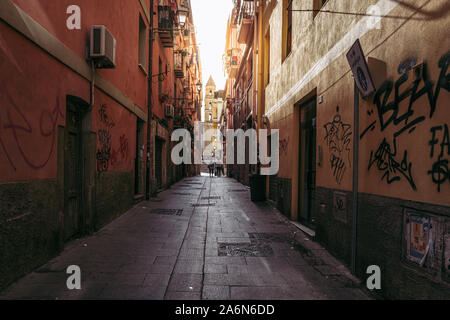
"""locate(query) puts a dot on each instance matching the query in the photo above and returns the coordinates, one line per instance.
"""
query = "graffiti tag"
(440, 172)
(48, 123)
(338, 139)
(385, 161)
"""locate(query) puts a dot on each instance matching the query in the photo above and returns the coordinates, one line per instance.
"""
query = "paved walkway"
(201, 239)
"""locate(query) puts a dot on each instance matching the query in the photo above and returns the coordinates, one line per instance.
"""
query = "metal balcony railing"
(178, 64)
(165, 26)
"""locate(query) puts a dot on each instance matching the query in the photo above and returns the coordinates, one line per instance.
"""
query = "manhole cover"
(199, 205)
(169, 212)
(211, 198)
(256, 249)
(272, 237)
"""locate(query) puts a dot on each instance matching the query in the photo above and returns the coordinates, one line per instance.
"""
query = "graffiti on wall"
(104, 140)
(393, 163)
(385, 160)
(338, 138)
(104, 151)
(21, 129)
(439, 172)
(388, 111)
(284, 145)
(119, 156)
(104, 118)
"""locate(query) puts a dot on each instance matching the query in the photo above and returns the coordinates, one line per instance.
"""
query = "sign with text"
(360, 70)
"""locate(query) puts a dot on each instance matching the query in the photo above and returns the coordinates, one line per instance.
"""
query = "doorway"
(307, 163)
(139, 164)
(158, 162)
(72, 170)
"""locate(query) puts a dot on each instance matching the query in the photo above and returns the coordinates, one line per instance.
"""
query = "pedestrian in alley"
(211, 169)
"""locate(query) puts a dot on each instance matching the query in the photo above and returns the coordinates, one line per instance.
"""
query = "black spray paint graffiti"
(389, 112)
(338, 139)
(104, 140)
(440, 172)
(104, 153)
(104, 118)
(406, 119)
(385, 160)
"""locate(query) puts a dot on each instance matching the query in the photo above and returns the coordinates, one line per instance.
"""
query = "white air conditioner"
(170, 111)
(102, 47)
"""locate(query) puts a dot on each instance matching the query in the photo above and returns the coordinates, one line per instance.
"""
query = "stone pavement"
(201, 239)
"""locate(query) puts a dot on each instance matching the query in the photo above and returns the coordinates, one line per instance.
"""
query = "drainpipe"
(92, 93)
(260, 105)
(149, 110)
(355, 176)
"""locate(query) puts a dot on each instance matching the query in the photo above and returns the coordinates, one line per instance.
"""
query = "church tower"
(209, 100)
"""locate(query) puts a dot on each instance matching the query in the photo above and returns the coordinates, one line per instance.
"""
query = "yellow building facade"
(384, 200)
(213, 108)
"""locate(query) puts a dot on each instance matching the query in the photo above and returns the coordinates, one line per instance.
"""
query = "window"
(287, 28)
(142, 59)
(318, 4)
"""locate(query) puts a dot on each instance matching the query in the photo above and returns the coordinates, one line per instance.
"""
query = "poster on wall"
(419, 237)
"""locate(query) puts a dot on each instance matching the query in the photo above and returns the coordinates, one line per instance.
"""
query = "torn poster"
(419, 237)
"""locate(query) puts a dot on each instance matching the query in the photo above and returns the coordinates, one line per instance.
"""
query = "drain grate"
(200, 205)
(184, 194)
(167, 212)
(211, 198)
(255, 249)
(238, 190)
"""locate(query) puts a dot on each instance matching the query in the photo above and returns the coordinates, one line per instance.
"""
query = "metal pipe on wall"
(149, 111)
(355, 177)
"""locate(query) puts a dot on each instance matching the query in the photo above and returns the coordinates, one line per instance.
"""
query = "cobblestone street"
(201, 239)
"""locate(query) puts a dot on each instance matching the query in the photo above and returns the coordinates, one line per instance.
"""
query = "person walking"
(211, 169)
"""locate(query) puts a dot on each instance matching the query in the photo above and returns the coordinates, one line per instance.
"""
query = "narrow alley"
(201, 239)
(225, 150)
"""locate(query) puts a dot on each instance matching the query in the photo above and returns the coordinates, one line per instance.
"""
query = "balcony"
(165, 26)
(178, 64)
(232, 59)
(187, 85)
(244, 21)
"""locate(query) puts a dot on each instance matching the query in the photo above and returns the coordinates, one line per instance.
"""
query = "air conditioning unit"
(102, 47)
(170, 111)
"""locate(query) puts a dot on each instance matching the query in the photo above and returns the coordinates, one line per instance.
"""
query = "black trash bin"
(257, 187)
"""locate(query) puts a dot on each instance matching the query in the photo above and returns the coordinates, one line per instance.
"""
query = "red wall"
(34, 86)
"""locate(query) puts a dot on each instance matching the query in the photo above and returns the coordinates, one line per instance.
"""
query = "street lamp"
(183, 13)
(199, 86)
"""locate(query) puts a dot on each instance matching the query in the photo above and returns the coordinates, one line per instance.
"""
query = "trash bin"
(257, 187)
